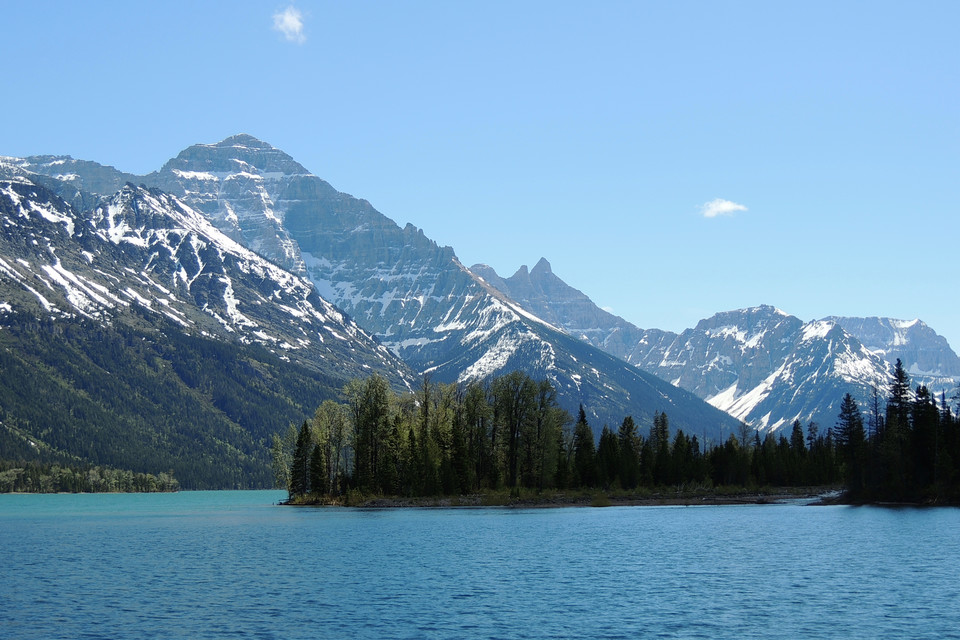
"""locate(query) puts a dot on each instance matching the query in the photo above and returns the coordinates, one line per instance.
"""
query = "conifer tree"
(608, 458)
(629, 445)
(584, 452)
(300, 468)
(660, 442)
(318, 472)
(851, 441)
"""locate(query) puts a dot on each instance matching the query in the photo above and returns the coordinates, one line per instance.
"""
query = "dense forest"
(77, 392)
(35, 477)
(510, 434)
(905, 448)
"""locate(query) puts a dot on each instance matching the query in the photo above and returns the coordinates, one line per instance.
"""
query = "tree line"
(905, 448)
(37, 477)
(510, 433)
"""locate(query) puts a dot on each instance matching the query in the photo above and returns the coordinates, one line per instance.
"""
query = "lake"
(235, 565)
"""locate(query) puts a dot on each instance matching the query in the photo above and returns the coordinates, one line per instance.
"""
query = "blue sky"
(593, 134)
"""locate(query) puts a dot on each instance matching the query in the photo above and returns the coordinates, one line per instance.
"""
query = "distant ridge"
(761, 365)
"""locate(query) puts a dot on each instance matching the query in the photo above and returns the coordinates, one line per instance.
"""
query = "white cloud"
(289, 22)
(720, 207)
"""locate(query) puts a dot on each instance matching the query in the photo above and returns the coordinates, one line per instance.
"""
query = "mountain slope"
(769, 368)
(414, 295)
(760, 365)
(140, 315)
(925, 354)
(541, 292)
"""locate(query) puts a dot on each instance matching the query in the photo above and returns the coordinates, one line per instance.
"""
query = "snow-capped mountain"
(541, 292)
(414, 295)
(135, 334)
(769, 368)
(145, 249)
(760, 365)
(925, 354)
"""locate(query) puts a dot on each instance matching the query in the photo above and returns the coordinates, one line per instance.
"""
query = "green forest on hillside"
(78, 393)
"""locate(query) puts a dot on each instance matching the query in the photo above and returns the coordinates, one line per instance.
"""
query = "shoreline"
(806, 496)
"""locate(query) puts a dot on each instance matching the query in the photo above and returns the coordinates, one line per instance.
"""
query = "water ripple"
(231, 565)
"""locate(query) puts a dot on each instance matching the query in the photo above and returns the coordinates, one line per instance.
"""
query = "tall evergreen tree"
(630, 446)
(584, 452)
(318, 471)
(608, 458)
(660, 443)
(300, 468)
(895, 457)
(925, 423)
(851, 444)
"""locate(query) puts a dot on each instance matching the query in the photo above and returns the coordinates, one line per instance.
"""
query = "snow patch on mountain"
(145, 249)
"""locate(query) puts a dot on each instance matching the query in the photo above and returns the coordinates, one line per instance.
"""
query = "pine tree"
(608, 458)
(895, 457)
(925, 423)
(318, 472)
(630, 446)
(660, 443)
(851, 441)
(584, 452)
(300, 468)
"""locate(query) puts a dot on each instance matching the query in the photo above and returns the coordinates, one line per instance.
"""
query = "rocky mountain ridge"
(135, 334)
(413, 295)
(761, 365)
(143, 248)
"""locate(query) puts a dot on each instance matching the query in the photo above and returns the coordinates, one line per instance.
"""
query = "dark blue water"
(233, 565)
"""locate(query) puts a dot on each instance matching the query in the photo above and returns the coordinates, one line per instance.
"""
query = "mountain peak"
(522, 273)
(241, 153)
(243, 140)
(541, 268)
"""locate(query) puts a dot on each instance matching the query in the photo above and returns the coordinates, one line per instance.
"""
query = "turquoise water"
(234, 565)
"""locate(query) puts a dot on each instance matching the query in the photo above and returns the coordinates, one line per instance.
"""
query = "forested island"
(37, 477)
(509, 437)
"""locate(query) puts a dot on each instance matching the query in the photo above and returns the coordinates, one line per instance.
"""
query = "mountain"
(76, 181)
(152, 340)
(769, 368)
(925, 354)
(414, 295)
(543, 293)
(760, 365)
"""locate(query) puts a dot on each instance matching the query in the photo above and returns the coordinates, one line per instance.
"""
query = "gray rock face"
(769, 368)
(82, 175)
(245, 187)
(541, 292)
(925, 354)
(413, 294)
(760, 365)
(143, 250)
